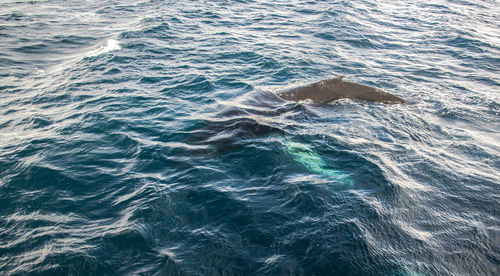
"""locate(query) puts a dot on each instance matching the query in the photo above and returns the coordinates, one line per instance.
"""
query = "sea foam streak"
(111, 45)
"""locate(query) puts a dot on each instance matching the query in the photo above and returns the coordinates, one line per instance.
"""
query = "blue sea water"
(144, 137)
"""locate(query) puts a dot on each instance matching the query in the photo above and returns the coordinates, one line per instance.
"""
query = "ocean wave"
(148, 138)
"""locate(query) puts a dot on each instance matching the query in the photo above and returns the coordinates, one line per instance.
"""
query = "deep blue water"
(144, 137)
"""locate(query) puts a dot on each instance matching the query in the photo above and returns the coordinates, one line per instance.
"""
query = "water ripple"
(146, 138)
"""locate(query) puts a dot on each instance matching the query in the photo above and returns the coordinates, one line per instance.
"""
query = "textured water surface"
(143, 137)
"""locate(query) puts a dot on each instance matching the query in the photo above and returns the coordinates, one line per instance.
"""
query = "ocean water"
(145, 137)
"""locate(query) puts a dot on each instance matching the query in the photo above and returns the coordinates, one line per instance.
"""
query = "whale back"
(336, 88)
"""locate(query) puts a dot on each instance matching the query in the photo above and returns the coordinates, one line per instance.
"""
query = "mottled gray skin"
(333, 89)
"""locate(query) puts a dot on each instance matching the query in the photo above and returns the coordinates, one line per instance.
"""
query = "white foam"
(111, 45)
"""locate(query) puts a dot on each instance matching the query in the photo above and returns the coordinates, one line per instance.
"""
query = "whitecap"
(111, 45)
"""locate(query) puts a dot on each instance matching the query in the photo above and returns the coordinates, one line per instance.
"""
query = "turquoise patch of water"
(306, 156)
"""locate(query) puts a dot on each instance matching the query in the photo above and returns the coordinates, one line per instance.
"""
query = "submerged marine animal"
(305, 155)
(335, 88)
(251, 117)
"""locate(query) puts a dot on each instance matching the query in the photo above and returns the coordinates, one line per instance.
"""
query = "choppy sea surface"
(145, 137)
